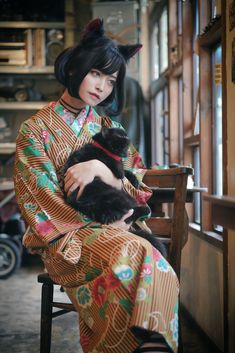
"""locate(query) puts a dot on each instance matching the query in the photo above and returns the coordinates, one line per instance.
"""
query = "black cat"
(100, 201)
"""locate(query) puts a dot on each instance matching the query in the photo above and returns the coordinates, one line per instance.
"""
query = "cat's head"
(115, 140)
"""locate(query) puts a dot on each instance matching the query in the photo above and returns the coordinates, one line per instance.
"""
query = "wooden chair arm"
(163, 177)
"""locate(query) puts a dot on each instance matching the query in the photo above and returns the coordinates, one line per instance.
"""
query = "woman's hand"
(121, 223)
(81, 174)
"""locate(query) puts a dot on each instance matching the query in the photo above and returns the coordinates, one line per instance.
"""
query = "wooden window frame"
(204, 139)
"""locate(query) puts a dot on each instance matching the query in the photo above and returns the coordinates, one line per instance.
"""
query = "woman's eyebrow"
(112, 76)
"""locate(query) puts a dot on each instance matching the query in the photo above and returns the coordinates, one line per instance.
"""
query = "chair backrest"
(169, 187)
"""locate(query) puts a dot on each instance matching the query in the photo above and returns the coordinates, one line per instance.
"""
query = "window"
(159, 85)
(180, 83)
(180, 121)
(159, 46)
(215, 8)
(155, 53)
(163, 41)
(161, 133)
(197, 199)
(196, 115)
(196, 108)
(186, 96)
(217, 121)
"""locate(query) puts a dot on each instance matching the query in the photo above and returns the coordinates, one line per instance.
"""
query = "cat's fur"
(100, 201)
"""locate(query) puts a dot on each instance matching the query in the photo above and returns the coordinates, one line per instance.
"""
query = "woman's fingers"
(72, 180)
(81, 188)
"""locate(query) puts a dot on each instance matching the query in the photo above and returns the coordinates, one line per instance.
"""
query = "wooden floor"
(20, 318)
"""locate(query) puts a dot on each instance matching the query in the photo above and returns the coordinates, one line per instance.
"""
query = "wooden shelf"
(22, 105)
(30, 24)
(26, 69)
(7, 147)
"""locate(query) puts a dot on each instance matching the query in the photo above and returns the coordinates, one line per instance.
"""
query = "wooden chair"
(169, 186)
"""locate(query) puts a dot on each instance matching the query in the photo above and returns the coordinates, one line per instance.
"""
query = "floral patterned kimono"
(115, 279)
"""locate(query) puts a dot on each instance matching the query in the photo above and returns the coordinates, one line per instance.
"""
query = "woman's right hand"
(81, 174)
(121, 223)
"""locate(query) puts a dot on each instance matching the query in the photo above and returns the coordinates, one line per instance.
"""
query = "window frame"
(158, 85)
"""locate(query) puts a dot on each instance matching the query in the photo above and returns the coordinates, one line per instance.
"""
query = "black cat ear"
(128, 51)
(93, 30)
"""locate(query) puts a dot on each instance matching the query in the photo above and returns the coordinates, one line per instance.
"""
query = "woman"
(126, 294)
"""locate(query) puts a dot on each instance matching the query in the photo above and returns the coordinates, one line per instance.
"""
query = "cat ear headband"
(93, 35)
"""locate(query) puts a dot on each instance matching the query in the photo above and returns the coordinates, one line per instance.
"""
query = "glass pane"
(179, 17)
(215, 8)
(196, 109)
(155, 53)
(180, 121)
(217, 118)
(160, 135)
(165, 123)
(197, 201)
(163, 26)
(156, 134)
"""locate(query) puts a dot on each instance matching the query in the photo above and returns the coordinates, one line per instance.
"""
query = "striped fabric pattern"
(115, 279)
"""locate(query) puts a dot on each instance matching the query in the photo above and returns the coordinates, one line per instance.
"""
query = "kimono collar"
(62, 110)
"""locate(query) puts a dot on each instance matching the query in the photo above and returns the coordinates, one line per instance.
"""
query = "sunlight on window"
(217, 119)
(159, 44)
(161, 128)
(196, 166)
(163, 41)
(155, 53)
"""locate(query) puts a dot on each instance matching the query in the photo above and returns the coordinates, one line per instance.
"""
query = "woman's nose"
(100, 86)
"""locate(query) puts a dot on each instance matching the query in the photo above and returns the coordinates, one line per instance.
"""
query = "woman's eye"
(95, 73)
(112, 82)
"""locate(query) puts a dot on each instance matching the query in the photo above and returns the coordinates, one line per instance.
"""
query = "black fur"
(100, 201)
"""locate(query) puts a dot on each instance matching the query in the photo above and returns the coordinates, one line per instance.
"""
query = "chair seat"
(44, 278)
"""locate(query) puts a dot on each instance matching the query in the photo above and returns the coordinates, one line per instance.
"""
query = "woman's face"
(96, 87)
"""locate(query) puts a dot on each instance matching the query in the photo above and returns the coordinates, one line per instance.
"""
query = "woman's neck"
(71, 103)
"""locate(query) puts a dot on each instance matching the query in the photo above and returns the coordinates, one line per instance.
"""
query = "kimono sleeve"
(38, 194)
(135, 164)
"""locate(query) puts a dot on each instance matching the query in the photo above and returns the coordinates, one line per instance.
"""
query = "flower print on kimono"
(47, 138)
(84, 296)
(44, 225)
(174, 325)
(160, 261)
(102, 286)
(145, 279)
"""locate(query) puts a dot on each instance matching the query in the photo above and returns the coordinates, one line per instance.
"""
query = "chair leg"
(46, 318)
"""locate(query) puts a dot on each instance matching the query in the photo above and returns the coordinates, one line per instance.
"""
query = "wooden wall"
(202, 286)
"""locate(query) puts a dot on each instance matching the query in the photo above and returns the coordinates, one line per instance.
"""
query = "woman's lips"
(94, 95)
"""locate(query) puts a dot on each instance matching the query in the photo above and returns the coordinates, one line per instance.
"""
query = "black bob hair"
(73, 64)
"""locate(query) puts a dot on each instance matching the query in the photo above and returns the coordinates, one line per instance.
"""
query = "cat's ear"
(93, 30)
(128, 51)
